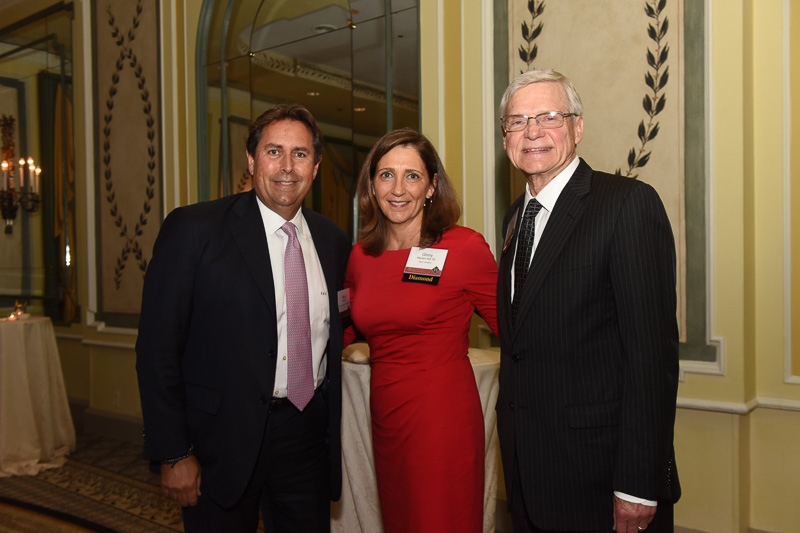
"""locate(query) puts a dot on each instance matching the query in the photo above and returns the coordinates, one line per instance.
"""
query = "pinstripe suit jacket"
(589, 369)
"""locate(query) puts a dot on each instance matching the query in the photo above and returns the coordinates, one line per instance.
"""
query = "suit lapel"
(565, 216)
(247, 228)
(506, 263)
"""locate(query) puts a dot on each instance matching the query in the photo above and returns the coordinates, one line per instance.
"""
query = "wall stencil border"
(128, 158)
(618, 53)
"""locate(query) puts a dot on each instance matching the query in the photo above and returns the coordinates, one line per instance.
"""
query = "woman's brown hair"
(441, 211)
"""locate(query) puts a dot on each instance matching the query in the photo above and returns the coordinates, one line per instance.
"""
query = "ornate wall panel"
(128, 152)
(643, 111)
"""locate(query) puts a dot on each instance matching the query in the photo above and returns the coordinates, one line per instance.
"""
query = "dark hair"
(284, 112)
(441, 212)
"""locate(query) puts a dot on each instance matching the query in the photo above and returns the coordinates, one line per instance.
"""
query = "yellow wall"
(706, 446)
(179, 18)
(737, 450)
(775, 470)
(456, 81)
(795, 184)
(75, 366)
(118, 394)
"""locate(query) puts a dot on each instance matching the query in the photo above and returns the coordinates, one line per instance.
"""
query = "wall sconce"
(26, 197)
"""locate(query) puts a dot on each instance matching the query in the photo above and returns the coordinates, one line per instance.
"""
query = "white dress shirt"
(548, 197)
(318, 302)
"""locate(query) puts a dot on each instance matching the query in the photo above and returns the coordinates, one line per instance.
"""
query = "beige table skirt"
(359, 509)
(36, 430)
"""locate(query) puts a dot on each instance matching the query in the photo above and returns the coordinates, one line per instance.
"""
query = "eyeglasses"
(548, 120)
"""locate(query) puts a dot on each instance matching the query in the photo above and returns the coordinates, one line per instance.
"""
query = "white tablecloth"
(36, 430)
(359, 508)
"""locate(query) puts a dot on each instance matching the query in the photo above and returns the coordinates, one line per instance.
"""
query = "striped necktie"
(522, 261)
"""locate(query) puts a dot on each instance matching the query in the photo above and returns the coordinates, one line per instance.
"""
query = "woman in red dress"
(415, 279)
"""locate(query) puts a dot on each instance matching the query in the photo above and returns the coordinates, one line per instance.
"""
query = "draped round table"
(36, 430)
(359, 510)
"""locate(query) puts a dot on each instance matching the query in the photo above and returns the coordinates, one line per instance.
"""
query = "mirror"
(37, 247)
(329, 56)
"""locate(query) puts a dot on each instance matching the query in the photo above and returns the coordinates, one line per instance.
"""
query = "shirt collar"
(548, 196)
(273, 221)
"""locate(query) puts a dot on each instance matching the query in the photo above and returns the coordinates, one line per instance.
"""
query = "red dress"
(427, 422)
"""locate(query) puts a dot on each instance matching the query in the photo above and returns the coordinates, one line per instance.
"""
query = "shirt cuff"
(634, 499)
(175, 460)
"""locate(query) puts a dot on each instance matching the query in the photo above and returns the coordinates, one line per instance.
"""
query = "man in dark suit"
(239, 371)
(586, 304)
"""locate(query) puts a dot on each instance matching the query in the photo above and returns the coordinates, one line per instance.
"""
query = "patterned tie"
(300, 374)
(524, 251)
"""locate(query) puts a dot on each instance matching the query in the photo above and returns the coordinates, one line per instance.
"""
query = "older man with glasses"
(586, 306)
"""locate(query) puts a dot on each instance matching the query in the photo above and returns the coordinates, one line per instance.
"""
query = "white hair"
(574, 104)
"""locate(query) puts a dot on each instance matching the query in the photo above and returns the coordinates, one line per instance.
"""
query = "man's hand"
(631, 517)
(181, 482)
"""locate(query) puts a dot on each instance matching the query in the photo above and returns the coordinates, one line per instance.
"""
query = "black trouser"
(662, 523)
(290, 482)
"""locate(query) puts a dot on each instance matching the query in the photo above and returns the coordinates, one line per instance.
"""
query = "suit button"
(272, 354)
(264, 400)
(515, 358)
(511, 405)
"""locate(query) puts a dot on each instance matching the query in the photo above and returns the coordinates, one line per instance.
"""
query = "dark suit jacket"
(208, 341)
(589, 371)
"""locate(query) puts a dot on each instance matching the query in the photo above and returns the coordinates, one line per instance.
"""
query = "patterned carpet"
(105, 486)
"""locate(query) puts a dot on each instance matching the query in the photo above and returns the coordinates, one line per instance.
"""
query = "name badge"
(343, 296)
(424, 265)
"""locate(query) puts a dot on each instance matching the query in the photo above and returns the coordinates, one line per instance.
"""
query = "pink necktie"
(300, 374)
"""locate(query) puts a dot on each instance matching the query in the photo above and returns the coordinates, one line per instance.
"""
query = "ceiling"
(43, 42)
(329, 56)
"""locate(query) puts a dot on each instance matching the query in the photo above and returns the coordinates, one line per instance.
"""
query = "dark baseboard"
(77, 407)
(104, 423)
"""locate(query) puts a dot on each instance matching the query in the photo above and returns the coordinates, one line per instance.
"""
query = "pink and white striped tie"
(300, 372)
